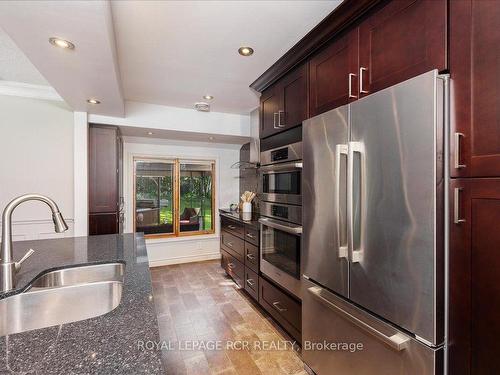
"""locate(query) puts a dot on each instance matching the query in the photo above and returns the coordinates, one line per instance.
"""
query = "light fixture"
(93, 101)
(150, 133)
(245, 51)
(208, 97)
(210, 138)
(202, 107)
(61, 43)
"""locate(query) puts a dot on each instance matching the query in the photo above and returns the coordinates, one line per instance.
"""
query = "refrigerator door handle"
(398, 341)
(339, 151)
(354, 147)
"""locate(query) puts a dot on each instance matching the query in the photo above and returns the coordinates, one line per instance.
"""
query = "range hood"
(250, 152)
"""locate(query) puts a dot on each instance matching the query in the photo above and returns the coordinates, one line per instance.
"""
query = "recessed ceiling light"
(93, 101)
(211, 138)
(61, 43)
(150, 133)
(208, 97)
(245, 51)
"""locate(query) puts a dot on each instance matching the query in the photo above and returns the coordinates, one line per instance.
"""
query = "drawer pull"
(277, 307)
(231, 227)
(250, 282)
(250, 257)
(231, 265)
(250, 235)
(230, 244)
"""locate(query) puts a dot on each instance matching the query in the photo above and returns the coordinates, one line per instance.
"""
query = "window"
(174, 197)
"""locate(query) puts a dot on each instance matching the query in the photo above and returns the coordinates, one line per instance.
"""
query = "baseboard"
(184, 259)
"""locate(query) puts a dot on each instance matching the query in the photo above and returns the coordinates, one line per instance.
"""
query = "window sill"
(199, 237)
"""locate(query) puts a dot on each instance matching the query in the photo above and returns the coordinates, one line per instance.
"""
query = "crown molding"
(27, 90)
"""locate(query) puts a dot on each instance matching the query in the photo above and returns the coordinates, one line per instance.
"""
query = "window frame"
(177, 161)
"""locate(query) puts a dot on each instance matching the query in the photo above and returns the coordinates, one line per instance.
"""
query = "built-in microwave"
(281, 174)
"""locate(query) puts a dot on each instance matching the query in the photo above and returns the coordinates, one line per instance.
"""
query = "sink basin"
(81, 275)
(63, 296)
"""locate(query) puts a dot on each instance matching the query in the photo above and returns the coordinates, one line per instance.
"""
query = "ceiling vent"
(202, 107)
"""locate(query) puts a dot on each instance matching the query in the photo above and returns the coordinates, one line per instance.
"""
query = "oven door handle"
(289, 228)
(291, 166)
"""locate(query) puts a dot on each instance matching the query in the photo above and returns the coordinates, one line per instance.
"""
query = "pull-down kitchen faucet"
(9, 268)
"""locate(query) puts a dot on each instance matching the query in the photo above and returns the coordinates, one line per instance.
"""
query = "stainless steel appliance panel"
(393, 158)
(282, 211)
(282, 154)
(385, 350)
(282, 182)
(324, 140)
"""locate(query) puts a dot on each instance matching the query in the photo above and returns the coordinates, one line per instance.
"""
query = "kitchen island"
(107, 344)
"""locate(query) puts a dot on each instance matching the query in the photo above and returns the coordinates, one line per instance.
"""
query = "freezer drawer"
(373, 347)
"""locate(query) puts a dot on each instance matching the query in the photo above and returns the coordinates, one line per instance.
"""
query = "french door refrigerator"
(373, 238)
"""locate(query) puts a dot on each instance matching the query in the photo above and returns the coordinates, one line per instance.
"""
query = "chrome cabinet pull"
(230, 244)
(231, 227)
(361, 90)
(250, 282)
(354, 147)
(274, 120)
(456, 206)
(250, 257)
(457, 151)
(351, 95)
(280, 125)
(398, 341)
(250, 235)
(231, 265)
(339, 151)
(276, 305)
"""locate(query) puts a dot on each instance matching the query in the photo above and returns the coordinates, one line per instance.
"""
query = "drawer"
(286, 310)
(252, 256)
(252, 283)
(232, 226)
(233, 268)
(233, 245)
(252, 235)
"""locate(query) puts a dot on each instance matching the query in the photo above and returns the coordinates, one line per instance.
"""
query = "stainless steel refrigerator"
(373, 237)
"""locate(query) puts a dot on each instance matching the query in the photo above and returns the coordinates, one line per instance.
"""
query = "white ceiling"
(174, 52)
(160, 52)
(15, 66)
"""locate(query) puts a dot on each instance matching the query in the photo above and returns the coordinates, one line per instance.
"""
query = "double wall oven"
(281, 216)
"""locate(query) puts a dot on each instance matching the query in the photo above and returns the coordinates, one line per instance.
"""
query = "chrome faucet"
(9, 268)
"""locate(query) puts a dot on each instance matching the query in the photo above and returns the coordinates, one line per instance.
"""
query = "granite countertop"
(237, 215)
(107, 344)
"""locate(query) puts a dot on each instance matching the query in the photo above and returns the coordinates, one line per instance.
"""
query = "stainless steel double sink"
(63, 296)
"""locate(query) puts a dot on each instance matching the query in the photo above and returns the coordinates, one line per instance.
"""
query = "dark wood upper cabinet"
(474, 263)
(284, 104)
(401, 40)
(103, 169)
(475, 84)
(333, 74)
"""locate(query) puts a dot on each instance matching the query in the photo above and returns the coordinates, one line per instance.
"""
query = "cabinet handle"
(274, 120)
(361, 90)
(250, 282)
(231, 227)
(351, 95)
(250, 235)
(280, 125)
(231, 265)
(230, 244)
(277, 307)
(456, 206)
(250, 257)
(457, 150)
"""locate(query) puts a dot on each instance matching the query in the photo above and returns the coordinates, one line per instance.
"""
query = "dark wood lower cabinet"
(474, 324)
(103, 224)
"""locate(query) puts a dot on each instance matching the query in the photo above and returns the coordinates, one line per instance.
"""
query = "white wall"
(185, 249)
(36, 154)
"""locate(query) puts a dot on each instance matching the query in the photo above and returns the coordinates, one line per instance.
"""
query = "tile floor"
(197, 303)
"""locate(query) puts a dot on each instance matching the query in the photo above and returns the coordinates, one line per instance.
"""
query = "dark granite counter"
(107, 344)
(237, 215)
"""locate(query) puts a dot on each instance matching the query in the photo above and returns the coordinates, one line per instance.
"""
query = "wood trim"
(337, 21)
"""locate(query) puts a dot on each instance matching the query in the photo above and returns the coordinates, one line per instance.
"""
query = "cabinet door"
(293, 89)
(103, 172)
(474, 302)
(269, 107)
(475, 83)
(403, 39)
(333, 79)
(103, 224)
